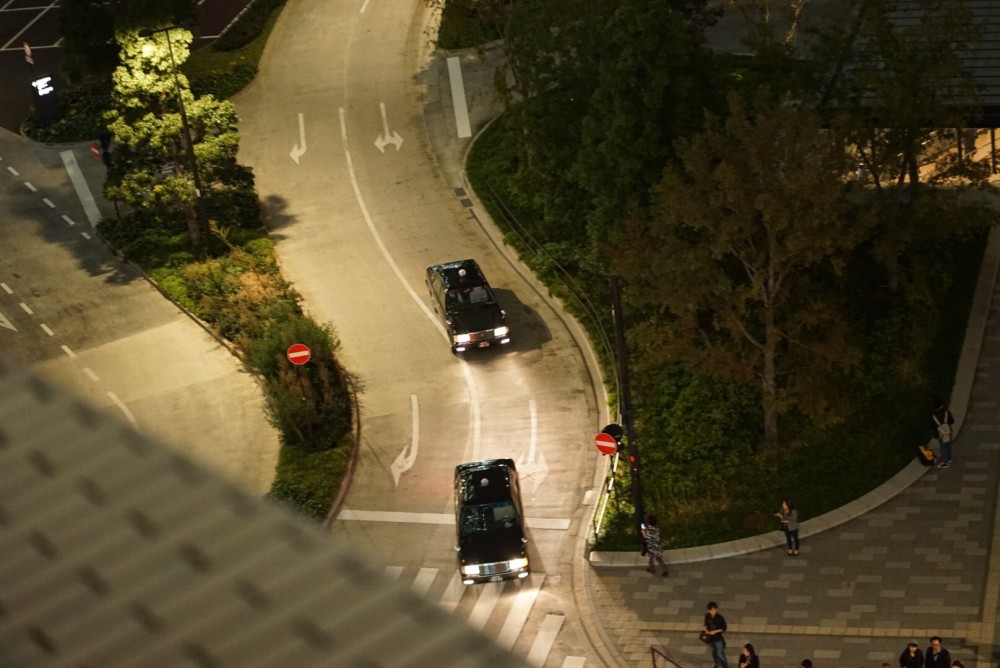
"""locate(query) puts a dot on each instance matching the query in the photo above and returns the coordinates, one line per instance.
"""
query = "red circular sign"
(298, 353)
(606, 443)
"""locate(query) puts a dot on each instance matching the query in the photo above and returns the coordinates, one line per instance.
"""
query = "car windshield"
(465, 298)
(488, 517)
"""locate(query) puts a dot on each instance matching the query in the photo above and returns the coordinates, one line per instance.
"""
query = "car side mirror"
(524, 540)
(458, 548)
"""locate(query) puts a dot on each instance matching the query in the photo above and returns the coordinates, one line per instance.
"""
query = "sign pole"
(625, 401)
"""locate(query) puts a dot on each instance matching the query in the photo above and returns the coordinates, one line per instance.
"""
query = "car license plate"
(484, 344)
(496, 578)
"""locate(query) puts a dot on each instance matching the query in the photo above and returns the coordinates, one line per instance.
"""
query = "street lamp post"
(188, 142)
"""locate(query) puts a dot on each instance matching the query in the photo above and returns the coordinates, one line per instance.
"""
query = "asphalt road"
(79, 316)
(355, 227)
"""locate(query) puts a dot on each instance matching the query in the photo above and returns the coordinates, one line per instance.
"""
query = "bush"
(82, 119)
(307, 481)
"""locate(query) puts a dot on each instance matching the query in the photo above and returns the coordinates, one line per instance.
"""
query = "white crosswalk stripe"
(483, 608)
(453, 594)
(546, 637)
(424, 580)
(518, 614)
(498, 609)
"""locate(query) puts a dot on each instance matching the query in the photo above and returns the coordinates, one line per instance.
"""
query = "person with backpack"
(943, 422)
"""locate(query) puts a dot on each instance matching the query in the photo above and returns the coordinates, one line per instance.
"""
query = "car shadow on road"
(528, 330)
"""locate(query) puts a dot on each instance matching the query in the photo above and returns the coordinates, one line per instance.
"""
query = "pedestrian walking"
(715, 626)
(943, 428)
(789, 518)
(957, 664)
(936, 655)
(654, 544)
(748, 659)
(911, 657)
(805, 663)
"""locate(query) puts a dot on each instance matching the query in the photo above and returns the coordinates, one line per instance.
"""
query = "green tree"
(734, 263)
(651, 89)
(151, 168)
(88, 29)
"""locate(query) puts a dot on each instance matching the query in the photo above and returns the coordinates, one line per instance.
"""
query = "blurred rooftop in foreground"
(117, 551)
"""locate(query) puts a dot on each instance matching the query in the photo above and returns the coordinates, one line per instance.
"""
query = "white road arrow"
(408, 457)
(4, 322)
(387, 137)
(299, 149)
(532, 465)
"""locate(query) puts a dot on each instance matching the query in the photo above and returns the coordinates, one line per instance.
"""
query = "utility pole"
(625, 403)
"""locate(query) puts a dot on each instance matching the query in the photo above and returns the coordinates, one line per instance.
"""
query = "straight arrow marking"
(386, 137)
(299, 149)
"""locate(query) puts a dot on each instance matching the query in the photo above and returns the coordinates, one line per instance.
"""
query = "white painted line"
(124, 409)
(436, 518)
(364, 6)
(545, 639)
(452, 595)
(66, 349)
(574, 662)
(396, 516)
(473, 398)
(378, 237)
(90, 374)
(6, 324)
(481, 611)
(424, 580)
(6, 288)
(458, 97)
(48, 202)
(68, 219)
(81, 187)
(31, 186)
(13, 171)
(393, 572)
(27, 309)
(45, 328)
(85, 236)
(23, 30)
(519, 611)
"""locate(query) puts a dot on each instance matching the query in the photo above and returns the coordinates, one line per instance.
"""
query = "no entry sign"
(606, 443)
(298, 353)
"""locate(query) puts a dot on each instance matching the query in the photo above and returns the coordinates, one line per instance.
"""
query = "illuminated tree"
(151, 169)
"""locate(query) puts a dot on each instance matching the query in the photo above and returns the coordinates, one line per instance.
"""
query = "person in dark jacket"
(942, 420)
(937, 656)
(748, 659)
(911, 657)
(715, 626)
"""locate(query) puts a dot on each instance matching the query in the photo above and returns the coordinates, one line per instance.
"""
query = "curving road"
(360, 202)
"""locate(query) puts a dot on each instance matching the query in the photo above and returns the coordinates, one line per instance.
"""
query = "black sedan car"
(463, 296)
(489, 522)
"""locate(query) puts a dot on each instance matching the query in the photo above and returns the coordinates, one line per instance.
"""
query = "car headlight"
(470, 570)
(500, 331)
(463, 338)
(517, 564)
